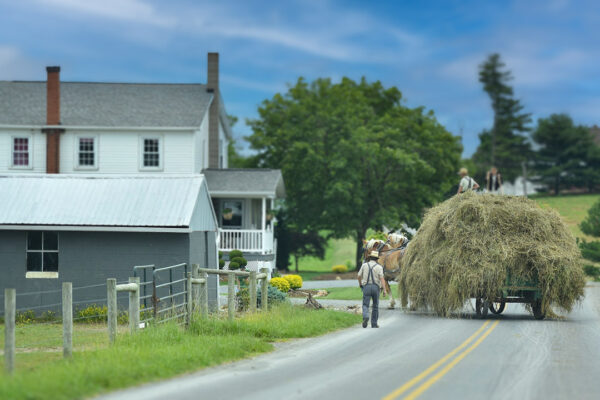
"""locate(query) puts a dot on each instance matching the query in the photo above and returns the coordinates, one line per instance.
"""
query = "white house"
(135, 128)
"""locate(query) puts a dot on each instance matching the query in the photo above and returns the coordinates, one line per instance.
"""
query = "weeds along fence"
(68, 317)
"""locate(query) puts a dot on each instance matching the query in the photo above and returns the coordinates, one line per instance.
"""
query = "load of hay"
(468, 244)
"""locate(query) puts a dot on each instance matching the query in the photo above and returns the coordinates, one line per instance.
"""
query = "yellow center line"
(418, 391)
(429, 370)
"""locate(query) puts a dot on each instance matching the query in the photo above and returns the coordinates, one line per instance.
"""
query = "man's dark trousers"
(371, 291)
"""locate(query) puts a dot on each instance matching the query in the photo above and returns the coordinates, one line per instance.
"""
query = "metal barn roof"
(146, 201)
(245, 181)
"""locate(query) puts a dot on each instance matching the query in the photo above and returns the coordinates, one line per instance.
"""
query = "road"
(416, 355)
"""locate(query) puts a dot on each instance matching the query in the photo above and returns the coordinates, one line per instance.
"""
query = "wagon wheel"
(536, 307)
(497, 307)
(481, 307)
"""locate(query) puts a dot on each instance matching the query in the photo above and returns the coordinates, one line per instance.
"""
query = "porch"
(244, 201)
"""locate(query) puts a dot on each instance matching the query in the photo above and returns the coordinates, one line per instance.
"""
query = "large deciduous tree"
(504, 145)
(353, 157)
(567, 154)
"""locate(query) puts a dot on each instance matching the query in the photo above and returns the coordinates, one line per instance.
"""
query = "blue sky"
(430, 50)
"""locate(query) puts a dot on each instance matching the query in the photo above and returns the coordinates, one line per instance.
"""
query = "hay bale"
(468, 244)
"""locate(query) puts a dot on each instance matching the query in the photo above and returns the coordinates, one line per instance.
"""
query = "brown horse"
(390, 257)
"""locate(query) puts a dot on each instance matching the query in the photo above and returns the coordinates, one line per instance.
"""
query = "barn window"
(151, 153)
(86, 152)
(42, 252)
(21, 152)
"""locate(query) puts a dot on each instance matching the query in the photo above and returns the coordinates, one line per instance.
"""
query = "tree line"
(558, 153)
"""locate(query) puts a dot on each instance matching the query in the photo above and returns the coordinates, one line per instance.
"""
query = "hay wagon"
(515, 290)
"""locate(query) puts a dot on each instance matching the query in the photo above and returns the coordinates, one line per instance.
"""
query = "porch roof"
(261, 182)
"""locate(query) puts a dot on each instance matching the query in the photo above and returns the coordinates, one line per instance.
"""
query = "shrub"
(349, 265)
(339, 269)
(591, 225)
(274, 297)
(93, 313)
(295, 281)
(235, 253)
(233, 265)
(590, 250)
(592, 272)
(48, 316)
(241, 261)
(281, 284)
(25, 317)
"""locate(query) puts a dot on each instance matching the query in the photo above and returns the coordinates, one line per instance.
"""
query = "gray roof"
(117, 201)
(107, 104)
(257, 181)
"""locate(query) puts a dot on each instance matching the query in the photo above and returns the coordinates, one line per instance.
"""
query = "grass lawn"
(348, 293)
(163, 351)
(339, 251)
(573, 209)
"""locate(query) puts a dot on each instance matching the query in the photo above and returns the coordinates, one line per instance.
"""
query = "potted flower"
(227, 214)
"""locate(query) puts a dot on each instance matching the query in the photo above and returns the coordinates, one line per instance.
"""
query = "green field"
(158, 352)
(573, 209)
(339, 251)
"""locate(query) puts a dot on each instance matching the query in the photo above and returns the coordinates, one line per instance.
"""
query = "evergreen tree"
(504, 146)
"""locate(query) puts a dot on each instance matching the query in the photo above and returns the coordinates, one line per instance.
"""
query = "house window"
(151, 157)
(42, 253)
(21, 150)
(231, 213)
(86, 152)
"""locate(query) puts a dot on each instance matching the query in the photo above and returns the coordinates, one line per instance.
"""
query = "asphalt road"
(415, 355)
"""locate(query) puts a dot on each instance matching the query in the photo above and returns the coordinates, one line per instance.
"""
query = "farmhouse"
(87, 228)
(96, 128)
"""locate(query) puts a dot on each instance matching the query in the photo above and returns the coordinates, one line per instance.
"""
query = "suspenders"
(370, 277)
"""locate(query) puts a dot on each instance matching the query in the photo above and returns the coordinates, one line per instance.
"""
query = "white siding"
(37, 152)
(201, 144)
(223, 139)
(120, 152)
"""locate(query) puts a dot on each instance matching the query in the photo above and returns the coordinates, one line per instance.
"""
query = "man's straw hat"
(463, 171)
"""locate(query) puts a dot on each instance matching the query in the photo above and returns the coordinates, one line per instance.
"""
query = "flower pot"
(228, 216)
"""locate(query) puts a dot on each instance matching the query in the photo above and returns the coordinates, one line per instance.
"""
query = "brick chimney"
(53, 118)
(212, 85)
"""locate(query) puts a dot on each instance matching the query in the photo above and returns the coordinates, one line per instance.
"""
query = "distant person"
(493, 181)
(371, 281)
(466, 182)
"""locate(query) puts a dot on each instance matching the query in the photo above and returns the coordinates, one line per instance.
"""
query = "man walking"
(371, 280)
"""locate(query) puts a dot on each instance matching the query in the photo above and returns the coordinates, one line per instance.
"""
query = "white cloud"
(126, 10)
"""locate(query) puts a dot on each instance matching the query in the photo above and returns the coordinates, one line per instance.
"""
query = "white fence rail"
(254, 240)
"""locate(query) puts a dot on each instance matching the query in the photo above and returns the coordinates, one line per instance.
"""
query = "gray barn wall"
(89, 258)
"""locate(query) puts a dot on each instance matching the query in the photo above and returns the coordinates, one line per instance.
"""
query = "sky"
(430, 50)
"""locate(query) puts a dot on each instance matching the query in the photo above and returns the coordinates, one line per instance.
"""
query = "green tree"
(294, 242)
(353, 157)
(504, 146)
(567, 153)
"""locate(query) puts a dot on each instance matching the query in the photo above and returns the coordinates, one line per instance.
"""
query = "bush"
(281, 284)
(592, 272)
(339, 269)
(241, 261)
(25, 317)
(233, 266)
(295, 281)
(590, 250)
(48, 316)
(591, 225)
(274, 297)
(92, 313)
(235, 253)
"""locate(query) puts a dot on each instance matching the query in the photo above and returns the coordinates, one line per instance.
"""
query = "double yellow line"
(433, 379)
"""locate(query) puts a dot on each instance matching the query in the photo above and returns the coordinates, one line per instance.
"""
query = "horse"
(390, 257)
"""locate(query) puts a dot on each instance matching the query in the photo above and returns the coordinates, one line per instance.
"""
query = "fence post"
(10, 307)
(111, 301)
(67, 318)
(190, 300)
(252, 290)
(195, 288)
(231, 296)
(204, 295)
(134, 305)
(264, 289)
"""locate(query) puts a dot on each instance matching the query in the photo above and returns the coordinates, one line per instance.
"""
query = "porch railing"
(254, 240)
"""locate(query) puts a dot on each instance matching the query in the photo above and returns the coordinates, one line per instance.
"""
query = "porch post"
(264, 223)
